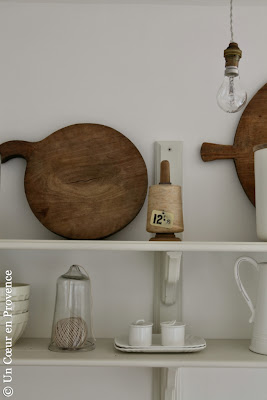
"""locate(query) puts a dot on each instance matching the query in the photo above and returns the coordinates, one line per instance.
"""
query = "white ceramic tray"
(192, 344)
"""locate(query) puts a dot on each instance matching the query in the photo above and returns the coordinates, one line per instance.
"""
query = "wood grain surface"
(165, 197)
(251, 131)
(85, 181)
(165, 172)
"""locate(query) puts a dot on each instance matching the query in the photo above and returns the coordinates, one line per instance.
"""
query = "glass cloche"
(72, 325)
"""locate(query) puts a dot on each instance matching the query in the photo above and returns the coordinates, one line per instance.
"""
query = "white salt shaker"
(140, 333)
(172, 333)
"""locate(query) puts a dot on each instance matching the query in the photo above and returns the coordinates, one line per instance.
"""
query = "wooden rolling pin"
(164, 213)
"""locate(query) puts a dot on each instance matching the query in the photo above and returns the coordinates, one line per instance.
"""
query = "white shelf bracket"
(170, 276)
(170, 382)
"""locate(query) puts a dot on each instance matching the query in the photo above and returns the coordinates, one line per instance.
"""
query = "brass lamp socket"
(232, 55)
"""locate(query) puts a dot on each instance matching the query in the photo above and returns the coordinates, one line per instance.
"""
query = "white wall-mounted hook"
(171, 265)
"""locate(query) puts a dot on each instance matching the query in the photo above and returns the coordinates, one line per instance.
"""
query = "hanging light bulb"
(231, 97)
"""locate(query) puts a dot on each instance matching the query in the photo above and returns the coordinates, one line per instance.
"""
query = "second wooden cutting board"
(251, 131)
(85, 181)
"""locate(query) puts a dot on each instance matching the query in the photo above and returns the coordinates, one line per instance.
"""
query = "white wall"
(151, 72)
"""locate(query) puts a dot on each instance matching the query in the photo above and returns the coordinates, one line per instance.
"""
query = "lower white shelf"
(219, 353)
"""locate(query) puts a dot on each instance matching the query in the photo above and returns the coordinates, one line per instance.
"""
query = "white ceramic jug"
(259, 314)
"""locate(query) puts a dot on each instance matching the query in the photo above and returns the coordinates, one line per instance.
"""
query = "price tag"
(161, 218)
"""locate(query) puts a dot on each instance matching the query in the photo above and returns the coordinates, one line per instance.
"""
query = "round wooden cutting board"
(85, 181)
(251, 131)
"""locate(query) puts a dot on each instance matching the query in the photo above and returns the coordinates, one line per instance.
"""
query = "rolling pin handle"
(165, 172)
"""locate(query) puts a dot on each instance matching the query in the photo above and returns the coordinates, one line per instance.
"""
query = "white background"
(151, 72)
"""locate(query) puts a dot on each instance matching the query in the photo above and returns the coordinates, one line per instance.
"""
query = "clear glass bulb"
(231, 97)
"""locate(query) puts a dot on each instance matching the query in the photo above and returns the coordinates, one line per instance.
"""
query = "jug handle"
(240, 285)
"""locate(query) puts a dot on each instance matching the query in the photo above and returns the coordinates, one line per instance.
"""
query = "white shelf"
(145, 2)
(111, 245)
(219, 353)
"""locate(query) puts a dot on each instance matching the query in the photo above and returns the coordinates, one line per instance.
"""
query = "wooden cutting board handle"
(211, 151)
(16, 148)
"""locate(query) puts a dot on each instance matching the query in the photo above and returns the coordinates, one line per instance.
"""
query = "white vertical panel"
(173, 152)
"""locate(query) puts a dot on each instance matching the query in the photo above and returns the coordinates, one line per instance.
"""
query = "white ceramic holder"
(172, 333)
(260, 170)
(140, 333)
